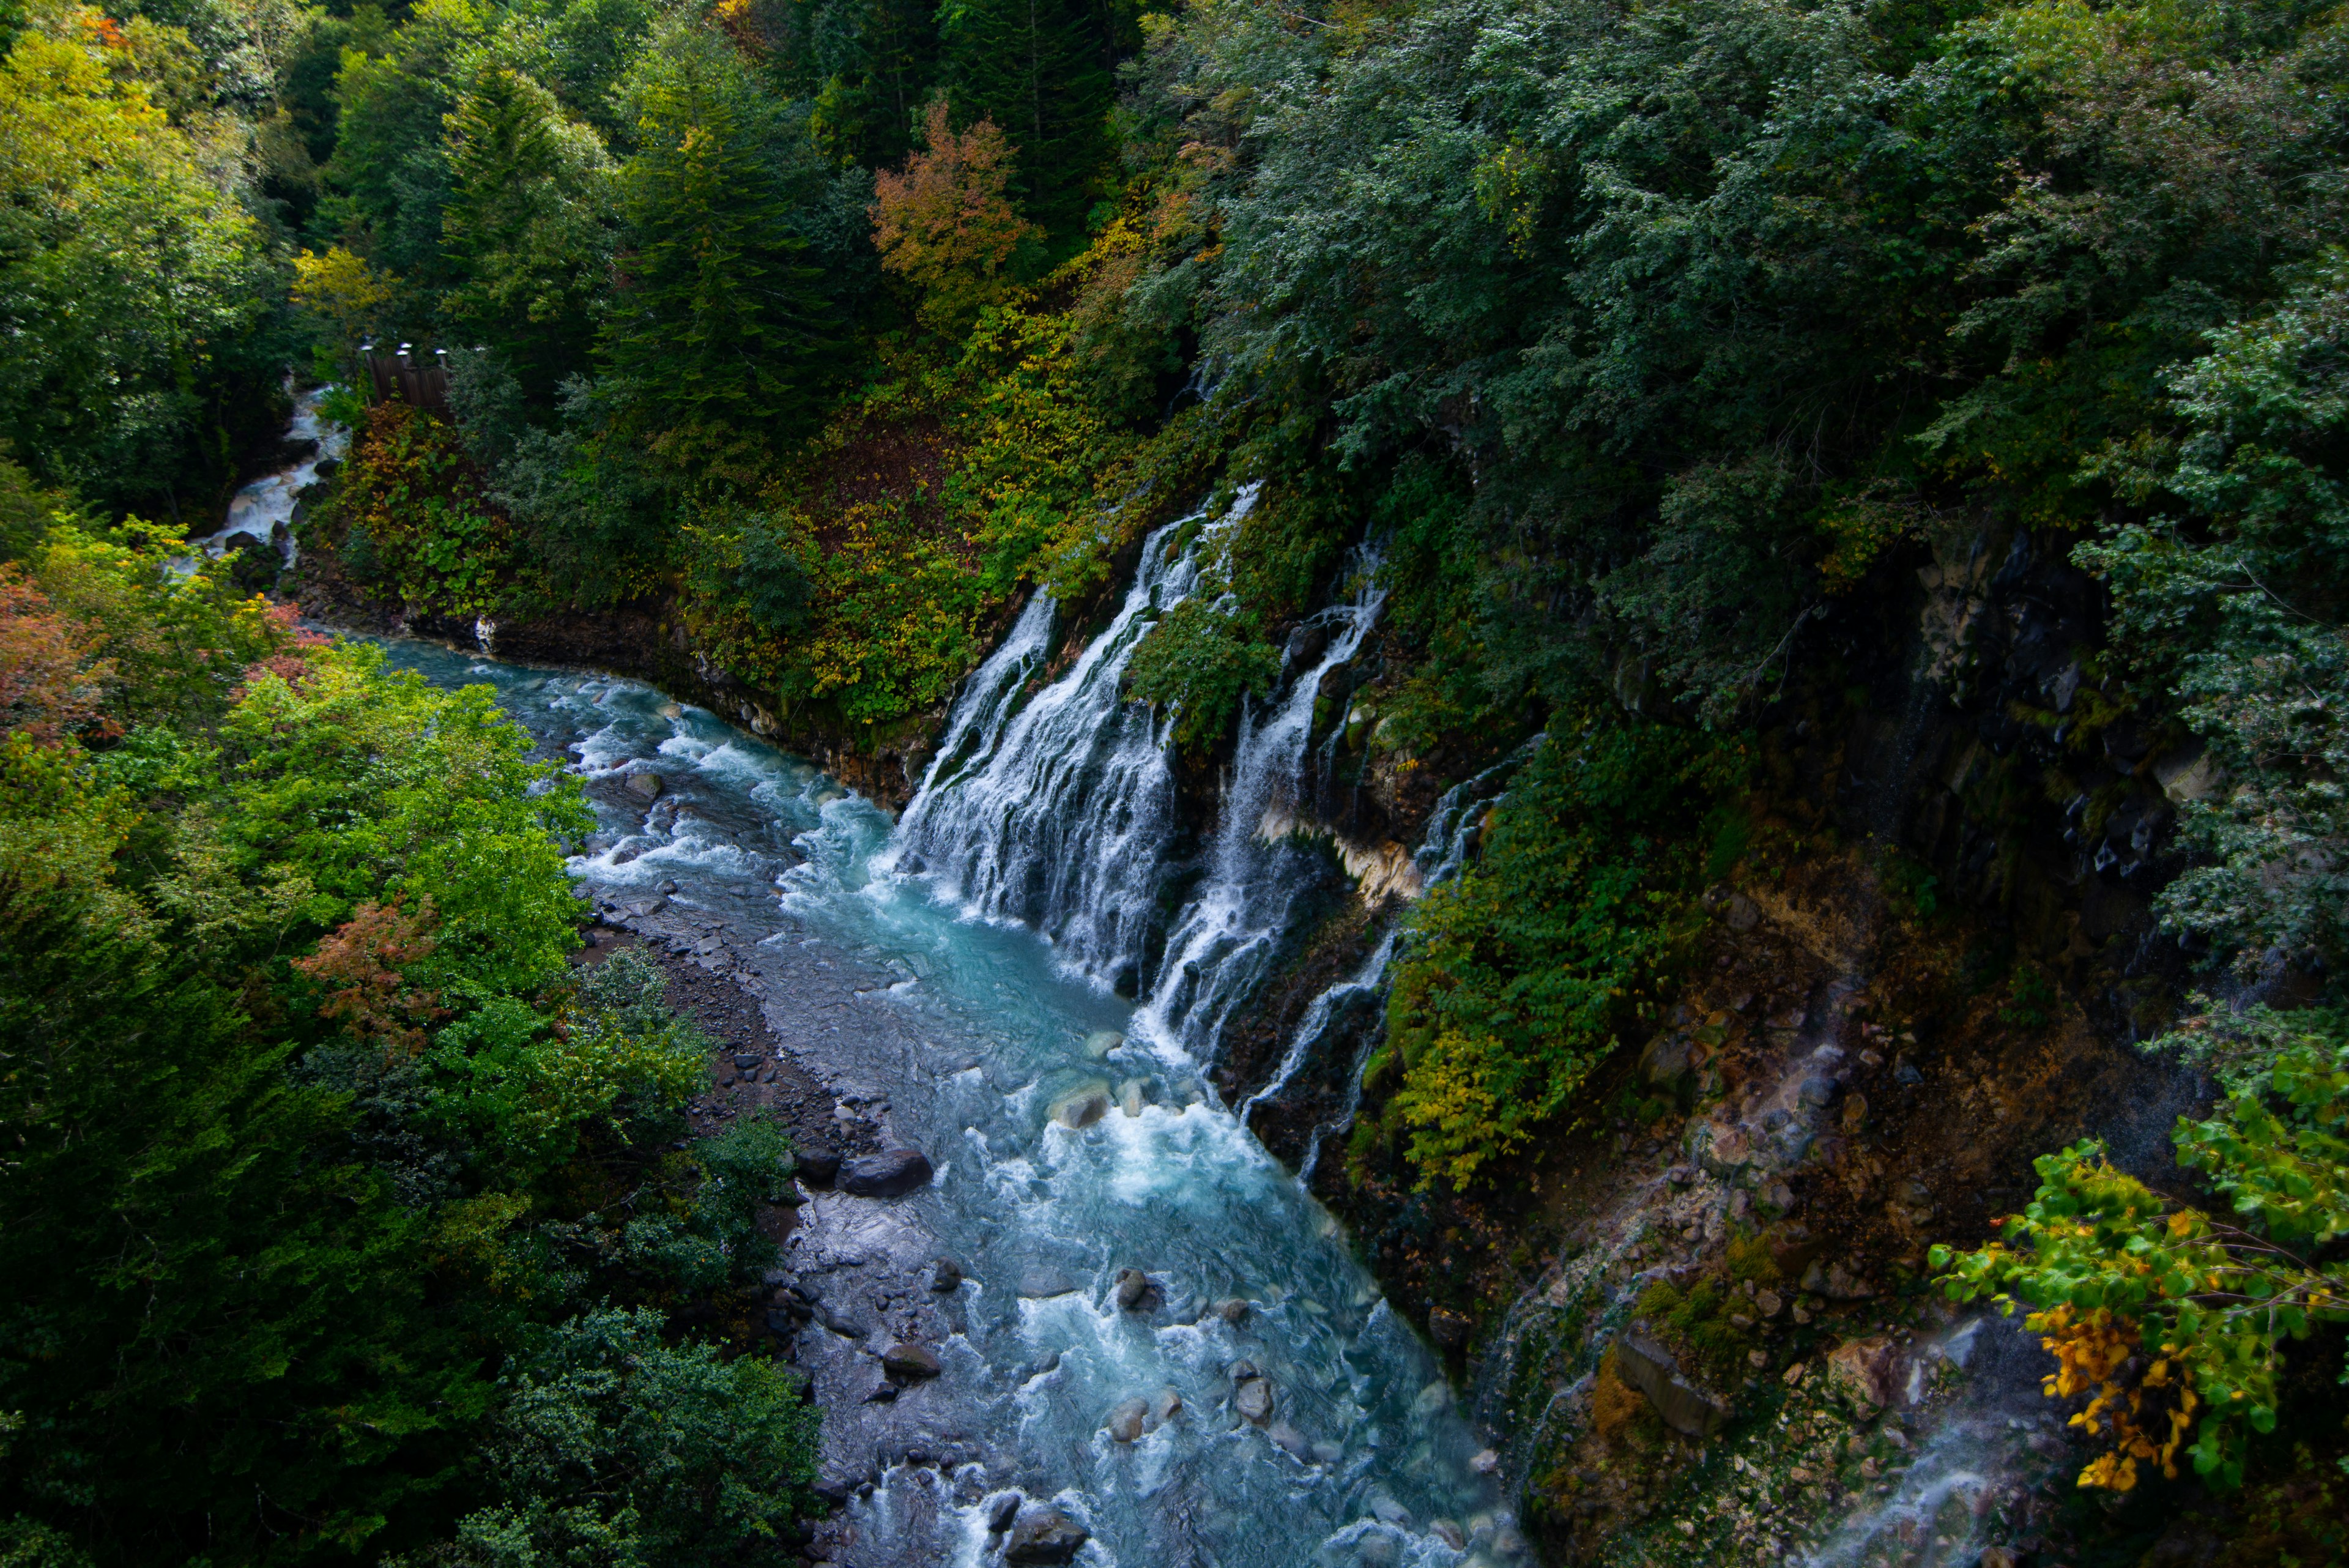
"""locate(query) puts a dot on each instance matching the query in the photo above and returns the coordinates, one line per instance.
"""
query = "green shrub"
(1199, 661)
(1516, 976)
(612, 1445)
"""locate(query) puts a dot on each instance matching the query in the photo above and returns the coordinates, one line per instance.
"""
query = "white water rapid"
(256, 512)
(950, 977)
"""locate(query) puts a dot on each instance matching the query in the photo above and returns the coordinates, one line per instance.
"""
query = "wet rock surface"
(892, 1173)
(1044, 1536)
(1844, 1079)
(1642, 1360)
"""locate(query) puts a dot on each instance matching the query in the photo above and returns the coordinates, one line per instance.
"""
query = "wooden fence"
(417, 379)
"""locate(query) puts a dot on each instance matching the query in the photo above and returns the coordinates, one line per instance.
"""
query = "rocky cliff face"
(1700, 1317)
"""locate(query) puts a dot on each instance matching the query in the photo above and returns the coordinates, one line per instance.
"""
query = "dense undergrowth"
(341, 1218)
(1629, 338)
(1526, 971)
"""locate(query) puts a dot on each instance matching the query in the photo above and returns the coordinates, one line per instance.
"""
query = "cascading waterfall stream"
(900, 958)
(1060, 815)
(1230, 932)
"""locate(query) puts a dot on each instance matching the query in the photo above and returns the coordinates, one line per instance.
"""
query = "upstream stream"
(956, 980)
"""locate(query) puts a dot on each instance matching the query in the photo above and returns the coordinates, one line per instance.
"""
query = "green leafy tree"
(2169, 1320)
(336, 1211)
(2230, 599)
(614, 1446)
(1200, 661)
(137, 292)
(390, 177)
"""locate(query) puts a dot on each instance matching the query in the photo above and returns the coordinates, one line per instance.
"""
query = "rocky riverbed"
(1055, 1302)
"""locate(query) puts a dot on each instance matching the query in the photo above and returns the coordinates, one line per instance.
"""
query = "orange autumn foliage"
(50, 684)
(362, 964)
(946, 224)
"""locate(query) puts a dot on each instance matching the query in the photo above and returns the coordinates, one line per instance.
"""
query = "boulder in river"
(1290, 1441)
(818, 1166)
(1128, 1421)
(1042, 1284)
(906, 1360)
(1133, 1290)
(1082, 1107)
(1044, 1536)
(893, 1173)
(946, 1276)
(1252, 1397)
(1232, 1309)
(645, 785)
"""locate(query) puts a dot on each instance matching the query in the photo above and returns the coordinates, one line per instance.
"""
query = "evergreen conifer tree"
(526, 228)
(1040, 70)
(713, 337)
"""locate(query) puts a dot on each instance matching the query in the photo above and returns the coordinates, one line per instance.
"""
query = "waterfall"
(1061, 815)
(1452, 829)
(990, 697)
(1229, 933)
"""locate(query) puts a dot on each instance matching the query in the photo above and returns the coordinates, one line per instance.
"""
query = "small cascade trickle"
(1457, 823)
(1364, 982)
(1060, 814)
(1450, 837)
(1230, 932)
(988, 699)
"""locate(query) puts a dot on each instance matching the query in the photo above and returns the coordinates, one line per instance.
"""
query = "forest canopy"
(822, 333)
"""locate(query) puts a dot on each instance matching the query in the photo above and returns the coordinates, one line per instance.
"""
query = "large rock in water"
(1133, 1289)
(1082, 1107)
(1646, 1366)
(890, 1173)
(905, 1360)
(1044, 1536)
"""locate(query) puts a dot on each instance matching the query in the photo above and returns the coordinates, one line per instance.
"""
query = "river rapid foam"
(1064, 1155)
